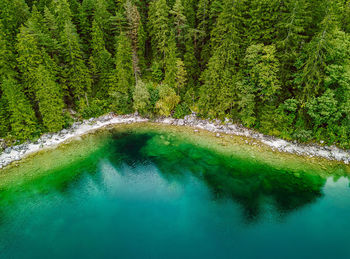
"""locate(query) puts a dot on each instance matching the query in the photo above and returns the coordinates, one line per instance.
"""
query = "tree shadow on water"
(248, 183)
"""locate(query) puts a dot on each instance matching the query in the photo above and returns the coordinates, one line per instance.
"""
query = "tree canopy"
(281, 67)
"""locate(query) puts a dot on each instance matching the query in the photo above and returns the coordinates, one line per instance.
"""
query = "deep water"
(155, 195)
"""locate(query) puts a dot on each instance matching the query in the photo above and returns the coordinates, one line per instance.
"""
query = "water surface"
(153, 194)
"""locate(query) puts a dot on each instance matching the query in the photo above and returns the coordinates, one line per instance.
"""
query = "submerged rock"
(77, 129)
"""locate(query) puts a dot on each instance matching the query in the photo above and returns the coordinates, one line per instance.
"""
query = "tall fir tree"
(22, 116)
(75, 74)
(159, 29)
(122, 79)
(86, 16)
(219, 89)
(170, 66)
(101, 62)
(49, 98)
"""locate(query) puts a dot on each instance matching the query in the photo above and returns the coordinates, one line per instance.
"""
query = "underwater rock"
(77, 129)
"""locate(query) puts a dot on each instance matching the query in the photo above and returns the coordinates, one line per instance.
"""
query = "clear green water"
(149, 194)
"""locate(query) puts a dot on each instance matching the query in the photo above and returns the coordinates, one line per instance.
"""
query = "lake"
(160, 192)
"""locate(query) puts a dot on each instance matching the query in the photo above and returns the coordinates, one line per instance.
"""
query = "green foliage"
(157, 73)
(282, 67)
(167, 100)
(75, 75)
(49, 100)
(122, 79)
(159, 29)
(324, 109)
(262, 71)
(141, 98)
(22, 117)
(101, 62)
(171, 66)
(181, 110)
(4, 117)
(96, 107)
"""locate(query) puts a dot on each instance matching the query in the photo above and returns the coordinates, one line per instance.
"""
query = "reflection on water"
(244, 181)
(156, 196)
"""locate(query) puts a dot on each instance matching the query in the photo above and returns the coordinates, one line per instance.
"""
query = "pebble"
(333, 153)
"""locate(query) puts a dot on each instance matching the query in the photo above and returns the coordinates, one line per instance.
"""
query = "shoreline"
(50, 140)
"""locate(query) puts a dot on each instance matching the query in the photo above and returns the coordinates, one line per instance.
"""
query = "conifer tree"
(75, 7)
(101, 62)
(181, 76)
(292, 33)
(103, 18)
(122, 79)
(7, 58)
(312, 62)
(75, 74)
(263, 15)
(13, 14)
(29, 57)
(219, 89)
(86, 15)
(4, 117)
(190, 12)
(262, 71)
(180, 25)
(170, 67)
(49, 100)
(203, 27)
(136, 34)
(22, 116)
(62, 12)
(260, 82)
(159, 29)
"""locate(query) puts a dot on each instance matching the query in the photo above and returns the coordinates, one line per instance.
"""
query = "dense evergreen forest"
(279, 66)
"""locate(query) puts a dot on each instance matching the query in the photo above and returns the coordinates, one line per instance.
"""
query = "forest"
(281, 67)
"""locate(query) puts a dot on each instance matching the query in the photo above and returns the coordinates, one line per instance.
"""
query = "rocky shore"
(16, 153)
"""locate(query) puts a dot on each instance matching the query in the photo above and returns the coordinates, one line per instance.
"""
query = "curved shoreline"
(78, 129)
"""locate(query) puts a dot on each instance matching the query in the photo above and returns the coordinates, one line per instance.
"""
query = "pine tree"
(75, 6)
(101, 62)
(260, 83)
(190, 12)
(63, 13)
(22, 117)
(13, 14)
(7, 58)
(180, 24)
(103, 18)
(159, 29)
(75, 74)
(170, 60)
(86, 15)
(292, 33)
(181, 76)
(262, 71)
(49, 100)
(312, 62)
(203, 27)
(219, 89)
(4, 116)
(190, 61)
(136, 34)
(29, 57)
(263, 15)
(122, 80)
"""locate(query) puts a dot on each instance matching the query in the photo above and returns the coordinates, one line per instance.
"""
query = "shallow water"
(156, 195)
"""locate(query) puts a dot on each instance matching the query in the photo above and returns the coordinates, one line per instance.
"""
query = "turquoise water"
(150, 195)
